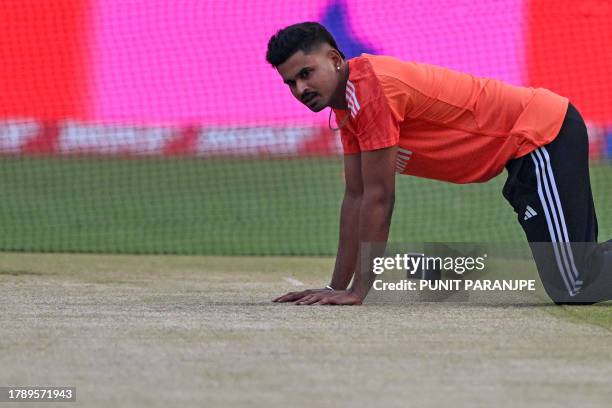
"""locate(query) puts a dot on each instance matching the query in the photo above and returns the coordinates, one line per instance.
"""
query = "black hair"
(297, 37)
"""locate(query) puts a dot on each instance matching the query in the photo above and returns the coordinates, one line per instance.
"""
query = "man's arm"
(348, 242)
(375, 210)
(378, 174)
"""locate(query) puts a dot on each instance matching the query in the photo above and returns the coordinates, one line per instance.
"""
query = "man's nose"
(302, 88)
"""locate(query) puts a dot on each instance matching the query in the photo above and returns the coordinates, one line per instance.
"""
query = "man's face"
(313, 77)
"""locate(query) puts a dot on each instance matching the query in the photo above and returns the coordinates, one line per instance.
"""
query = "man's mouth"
(308, 100)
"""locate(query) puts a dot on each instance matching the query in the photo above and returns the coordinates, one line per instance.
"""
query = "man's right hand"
(293, 296)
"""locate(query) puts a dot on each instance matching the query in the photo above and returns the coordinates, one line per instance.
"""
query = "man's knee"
(599, 287)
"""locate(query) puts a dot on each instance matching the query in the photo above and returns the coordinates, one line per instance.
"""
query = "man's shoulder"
(376, 74)
(364, 80)
(385, 66)
(378, 80)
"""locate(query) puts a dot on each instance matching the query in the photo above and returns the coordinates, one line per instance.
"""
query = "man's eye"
(304, 74)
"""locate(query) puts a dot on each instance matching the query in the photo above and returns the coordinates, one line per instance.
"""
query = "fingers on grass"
(302, 300)
(290, 297)
(307, 300)
(282, 298)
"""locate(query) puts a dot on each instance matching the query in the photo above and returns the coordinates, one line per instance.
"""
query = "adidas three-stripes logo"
(529, 212)
(351, 98)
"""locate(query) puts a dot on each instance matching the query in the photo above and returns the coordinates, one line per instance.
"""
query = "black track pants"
(550, 190)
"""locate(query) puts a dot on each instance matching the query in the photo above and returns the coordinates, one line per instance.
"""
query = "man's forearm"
(348, 243)
(374, 223)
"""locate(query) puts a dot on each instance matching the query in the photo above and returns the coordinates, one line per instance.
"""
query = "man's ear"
(334, 55)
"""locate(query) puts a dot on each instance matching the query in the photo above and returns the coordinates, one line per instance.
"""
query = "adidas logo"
(529, 212)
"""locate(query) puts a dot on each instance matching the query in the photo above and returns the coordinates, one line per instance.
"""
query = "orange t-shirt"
(448, 125)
